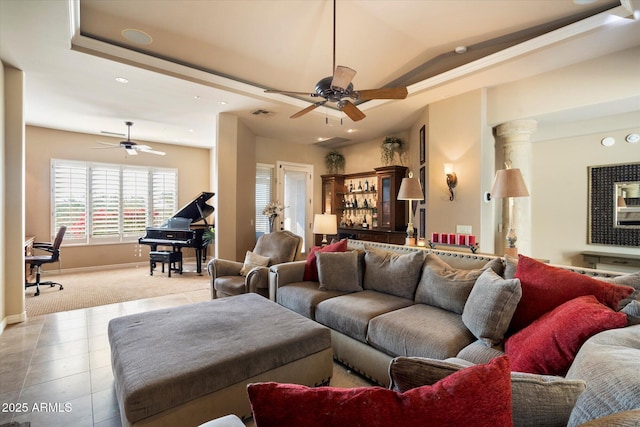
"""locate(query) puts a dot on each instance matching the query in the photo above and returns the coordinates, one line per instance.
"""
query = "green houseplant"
(209, 235)
(335, 162)
(392, 145)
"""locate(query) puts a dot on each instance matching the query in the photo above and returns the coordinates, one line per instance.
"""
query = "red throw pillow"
(549, 345)
(311, 267)
(545, 287)
(479, 395)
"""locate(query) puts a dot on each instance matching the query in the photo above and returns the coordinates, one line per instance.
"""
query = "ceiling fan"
(338, 87)
(131, 147)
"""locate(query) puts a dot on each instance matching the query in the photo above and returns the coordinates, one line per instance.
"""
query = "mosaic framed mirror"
(614, 205)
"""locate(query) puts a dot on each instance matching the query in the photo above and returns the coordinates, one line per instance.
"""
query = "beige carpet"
(90, 289)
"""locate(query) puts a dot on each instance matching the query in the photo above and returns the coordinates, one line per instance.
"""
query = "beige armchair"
(224, 275)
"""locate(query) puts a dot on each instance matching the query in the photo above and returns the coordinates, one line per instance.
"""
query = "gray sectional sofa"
(430, 304)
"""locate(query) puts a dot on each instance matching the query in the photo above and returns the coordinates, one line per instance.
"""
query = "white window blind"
(104, 203)
(264, 195)
(69, 182)
(164, 186)
(135, 201)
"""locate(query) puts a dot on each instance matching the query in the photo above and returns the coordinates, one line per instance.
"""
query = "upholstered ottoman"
(189, 364)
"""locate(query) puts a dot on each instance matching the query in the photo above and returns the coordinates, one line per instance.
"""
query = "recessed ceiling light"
(197, 97)
(121, 80)
(461, 49)
(632, 138)
(223, 102)
(608, 141)
(136, 36)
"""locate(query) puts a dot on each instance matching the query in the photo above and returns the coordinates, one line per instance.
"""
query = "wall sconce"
(452, 179)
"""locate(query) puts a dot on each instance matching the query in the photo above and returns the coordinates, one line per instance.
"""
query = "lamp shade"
(509, 183)
(325, 224)
(410, 189)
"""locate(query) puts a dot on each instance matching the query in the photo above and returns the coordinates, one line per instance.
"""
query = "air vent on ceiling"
(262, 113)
(334, 142)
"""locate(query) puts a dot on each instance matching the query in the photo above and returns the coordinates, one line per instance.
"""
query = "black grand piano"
(180, 232)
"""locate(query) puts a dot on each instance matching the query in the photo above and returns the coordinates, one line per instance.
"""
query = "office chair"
(36, 261)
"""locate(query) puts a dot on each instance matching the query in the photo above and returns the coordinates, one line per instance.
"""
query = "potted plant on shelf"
(335, 162)
(392, 145)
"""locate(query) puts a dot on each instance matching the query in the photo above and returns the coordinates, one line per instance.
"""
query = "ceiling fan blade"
(131, 151)
(108, 144)
(308, 109)
(383, 93)
(351, 110)
(150, 151)
(287, 92)
(342, 76)
(141, 147)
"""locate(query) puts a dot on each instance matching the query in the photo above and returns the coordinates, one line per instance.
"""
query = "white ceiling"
(206, 52)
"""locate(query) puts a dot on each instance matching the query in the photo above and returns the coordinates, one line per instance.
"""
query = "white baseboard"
(10, 320)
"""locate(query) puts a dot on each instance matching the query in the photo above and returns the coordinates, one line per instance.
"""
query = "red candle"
(435, 237)
(444, 238)
(471, 240)
(462, 239)
(452, 239)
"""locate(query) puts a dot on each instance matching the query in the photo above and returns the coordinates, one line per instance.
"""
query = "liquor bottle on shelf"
(366, 185)
(364, 222)
(359, 185)
(351, 187)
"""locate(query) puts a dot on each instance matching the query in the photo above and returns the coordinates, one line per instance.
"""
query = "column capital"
(516, 128)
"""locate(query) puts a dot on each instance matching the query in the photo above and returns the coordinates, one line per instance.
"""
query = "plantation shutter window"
(165, 203)
(69, 181)
(105, 203)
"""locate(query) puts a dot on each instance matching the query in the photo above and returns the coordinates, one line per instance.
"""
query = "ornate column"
(515, 139)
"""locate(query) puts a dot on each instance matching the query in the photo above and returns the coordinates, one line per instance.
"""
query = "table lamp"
(410, 190)
(509, 183)
(325, 224)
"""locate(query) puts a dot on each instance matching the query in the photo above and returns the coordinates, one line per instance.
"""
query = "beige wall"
(559, 193)
(2, 202)
(13, 198)
(45, 144)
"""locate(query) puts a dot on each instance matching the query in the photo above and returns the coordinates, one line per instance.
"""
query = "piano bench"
(168, 257)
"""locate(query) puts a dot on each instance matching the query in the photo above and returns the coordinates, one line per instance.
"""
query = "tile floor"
(55, 370)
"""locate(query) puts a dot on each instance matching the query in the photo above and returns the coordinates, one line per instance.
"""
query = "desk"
(28, 251)
(595, 258)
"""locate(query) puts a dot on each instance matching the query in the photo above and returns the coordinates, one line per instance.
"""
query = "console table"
(595, 258)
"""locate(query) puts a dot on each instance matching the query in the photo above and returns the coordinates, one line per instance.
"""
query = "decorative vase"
(272, 223)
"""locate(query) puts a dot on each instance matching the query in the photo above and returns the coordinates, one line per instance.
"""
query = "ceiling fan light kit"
(337, 87)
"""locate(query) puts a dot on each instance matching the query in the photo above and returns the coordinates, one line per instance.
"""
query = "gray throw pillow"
(391, 272)
(490, 306)
(537, 400)
(338, 271)
(632, 310)
(631, 279)
(511, 264)
(444, 286)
